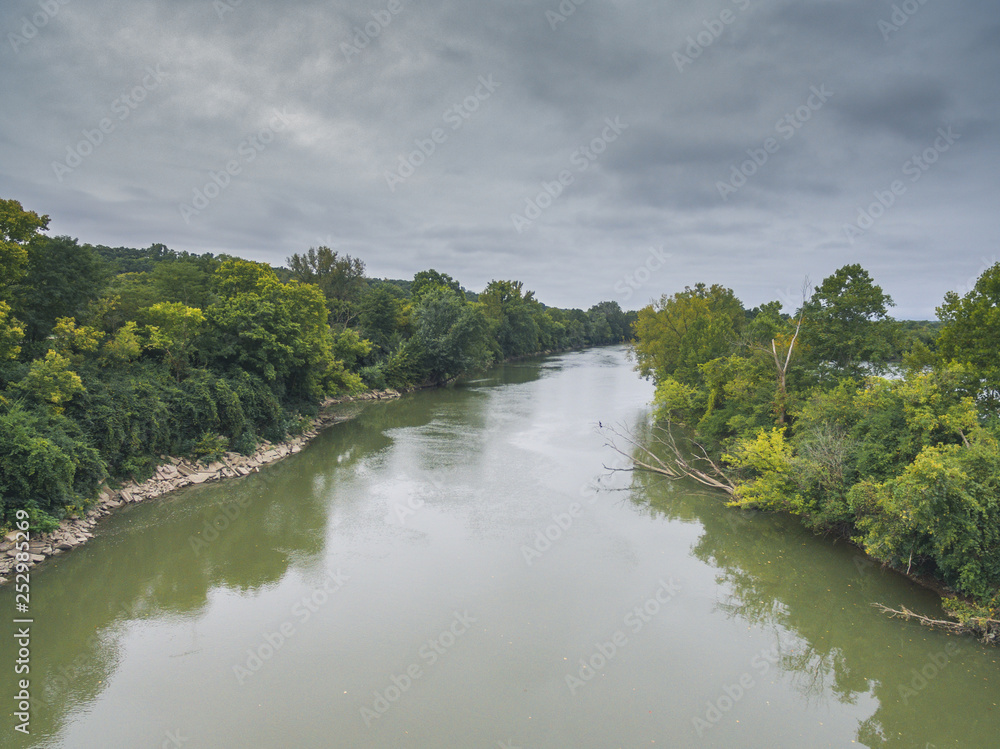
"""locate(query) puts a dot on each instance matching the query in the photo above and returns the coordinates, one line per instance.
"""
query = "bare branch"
(700, 468)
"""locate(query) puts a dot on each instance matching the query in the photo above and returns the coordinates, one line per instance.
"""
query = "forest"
(111, 358)
(881, 432)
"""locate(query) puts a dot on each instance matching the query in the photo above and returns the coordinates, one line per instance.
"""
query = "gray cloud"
(355, 111)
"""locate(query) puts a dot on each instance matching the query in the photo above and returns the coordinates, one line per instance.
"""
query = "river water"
(458, 569)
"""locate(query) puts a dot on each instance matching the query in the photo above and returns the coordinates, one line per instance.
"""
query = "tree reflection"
(818, 592)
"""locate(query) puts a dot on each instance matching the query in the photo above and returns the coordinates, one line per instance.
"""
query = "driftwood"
(986, 630)
(695, 465)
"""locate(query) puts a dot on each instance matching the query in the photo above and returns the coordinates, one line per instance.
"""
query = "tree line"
(113, 357)
(882, 432)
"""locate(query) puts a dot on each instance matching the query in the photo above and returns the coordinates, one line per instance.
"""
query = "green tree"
(51, 381)
(847, 326)
(971, 335)
(679, 333)
(11, 333)
(379, 317)
(453, 334)
(509, 310)
(278, 331)
(18, 228)
(619, 322)
(60, 278)
(427, 280)
(172, 328)
(341, 279)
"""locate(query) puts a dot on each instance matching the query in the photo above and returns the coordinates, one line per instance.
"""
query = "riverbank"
(174, 473)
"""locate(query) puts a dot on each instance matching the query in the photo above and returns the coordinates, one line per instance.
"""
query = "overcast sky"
(414, 133)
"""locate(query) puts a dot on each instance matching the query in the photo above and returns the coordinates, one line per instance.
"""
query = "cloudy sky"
(613, 149)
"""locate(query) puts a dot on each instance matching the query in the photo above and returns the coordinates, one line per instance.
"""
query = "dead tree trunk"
(676, 464)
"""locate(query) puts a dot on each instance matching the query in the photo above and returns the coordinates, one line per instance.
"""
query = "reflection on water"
(815, 595)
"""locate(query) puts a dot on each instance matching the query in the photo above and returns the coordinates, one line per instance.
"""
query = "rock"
(185, 470)
(66, 544)
(36, 558)
(201, 478)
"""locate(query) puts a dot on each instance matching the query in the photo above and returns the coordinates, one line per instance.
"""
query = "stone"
(201, 478)
(36, 558)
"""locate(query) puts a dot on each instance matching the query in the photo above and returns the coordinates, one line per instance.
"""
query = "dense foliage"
(802, 413)
(113, 357)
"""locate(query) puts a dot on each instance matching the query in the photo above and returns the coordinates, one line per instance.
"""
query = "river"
(457, 569)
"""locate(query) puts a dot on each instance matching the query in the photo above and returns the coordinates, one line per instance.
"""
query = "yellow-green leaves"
(11, 333)
(51, 381)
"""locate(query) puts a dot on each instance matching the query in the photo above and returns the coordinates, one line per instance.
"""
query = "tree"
(18, 228)
(341, 279)
(278, 331)
(678, 333)
(172, 328)
(427, 280)
(60, 278)
(187, 280)
(379, 318)
(11, 333)
(509, 310)
(971, 334)
(849, 329)
(453, 334)
(51, 381)
(75, 341)
(618, 321)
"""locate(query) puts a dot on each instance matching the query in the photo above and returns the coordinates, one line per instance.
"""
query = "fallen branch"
(677, 465)
(986, 630)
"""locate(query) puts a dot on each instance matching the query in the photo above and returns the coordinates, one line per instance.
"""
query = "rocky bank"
(173, 473)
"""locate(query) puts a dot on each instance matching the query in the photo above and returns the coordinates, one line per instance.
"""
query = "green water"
(388, 587)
